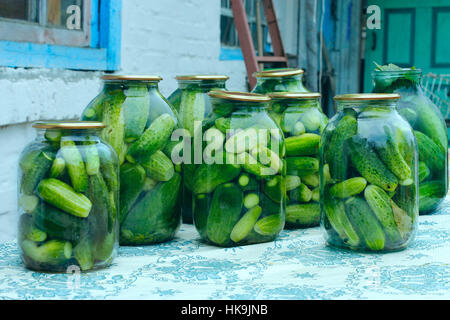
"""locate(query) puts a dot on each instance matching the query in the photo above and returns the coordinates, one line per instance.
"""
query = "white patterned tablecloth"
(296, 266)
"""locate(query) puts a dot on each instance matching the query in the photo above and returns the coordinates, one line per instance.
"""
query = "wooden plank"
(110, 31)
(271, 59)
(245, 39)
(274, 30)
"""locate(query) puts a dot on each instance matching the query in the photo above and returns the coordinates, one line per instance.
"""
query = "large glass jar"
(192, 103)
(279, 80)
(139, 125)
(238, 186)
(300, 117)
(429, 128)
(68, 196)
(369, 197)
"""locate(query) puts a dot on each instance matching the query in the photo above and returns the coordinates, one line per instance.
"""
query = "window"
(72, 34)
(228, 33)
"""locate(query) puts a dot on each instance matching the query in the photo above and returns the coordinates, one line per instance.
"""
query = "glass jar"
(239, 180)
(139, 125)
(192, 103)
(369, 190)
(68, 196)
(300, 117)
(429, 128)
(279, 80)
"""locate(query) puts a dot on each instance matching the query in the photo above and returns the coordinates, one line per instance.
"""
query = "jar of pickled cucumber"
(192, 103)
(279, 80)
(300, 117)
(368, 175)
(238, 186)
(67, 198)
(139, 125)
(429, 128)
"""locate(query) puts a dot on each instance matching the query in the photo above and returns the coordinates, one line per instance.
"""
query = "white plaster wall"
(167, 38)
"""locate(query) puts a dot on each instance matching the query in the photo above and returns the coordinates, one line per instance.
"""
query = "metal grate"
(437, 87)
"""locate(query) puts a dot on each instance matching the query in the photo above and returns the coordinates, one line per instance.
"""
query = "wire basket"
(437, 87)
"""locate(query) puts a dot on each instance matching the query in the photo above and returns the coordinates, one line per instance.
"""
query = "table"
(296, 266)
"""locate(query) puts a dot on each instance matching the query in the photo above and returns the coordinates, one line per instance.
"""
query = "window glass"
(26, 10)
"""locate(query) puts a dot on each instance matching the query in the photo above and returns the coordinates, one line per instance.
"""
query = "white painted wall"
(167, 38)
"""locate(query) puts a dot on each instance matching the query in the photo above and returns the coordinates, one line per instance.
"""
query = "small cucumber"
(306, 144)
(252, 166)
(192, 108)
(251, 200)
(136, 108)
(28, 231)
(207, 177)
(267, 157)
(58, 167)
(35, 166)
(430, 153)
(245, 225)
(380, 203)
(52, 251)
(370, 166)
(304, 215)
(424, 171)
(409, 114)
(315, 196)
(28, 203)
(275, 189)
(132, 180)
(311, 180)
(159, 167)
(75, 165)
(348, 188)
(62, 196)
(92, 158)
(311, 120)
(224, 213)
(292, 182)
(242, 141)
(153, 138)
(430, 195)
(302, 166)
(365, 223)
(84, 254)
(269, 225)
(114, 119)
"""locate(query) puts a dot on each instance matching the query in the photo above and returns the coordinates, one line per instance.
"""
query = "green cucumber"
(430, 153)
(224, 213)
(154, 217)
(84, 254)
(27, 230)
(53, 136)
(245, 224)
(132, 180)
(302, 166)
(315, 196)
(370, 166)
(104, 212)
(136, 109)
(35, 166)
(301, 194)
(52, 251)
(430, 194)
(28, 203)
(306, 144)
(75, 165)
(311, 120)
(270, 225)
(336, 155)
(242, 141)
(153, 139)
(335, 212)
(267, 157)
(251, 200)
(57, 168)
(252, 166)
(208, 176)
(62, 196)
(305, 215)
(159, 167)
(192, 109)
(298, 129)
(365, 223)
(348, 188)
(108, 168)
(380, 203)
(114, 119)
(391, 156)
(92, 159)
(292, 182)
(104, 249)
(58, 224)
(175, 99)
(311, 180)
(223, 124)
(424, 171)
(201, 211)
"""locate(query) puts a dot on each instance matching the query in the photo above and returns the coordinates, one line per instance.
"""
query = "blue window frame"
(103, 52)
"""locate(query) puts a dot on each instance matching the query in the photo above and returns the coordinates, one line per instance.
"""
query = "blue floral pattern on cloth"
(296, 266)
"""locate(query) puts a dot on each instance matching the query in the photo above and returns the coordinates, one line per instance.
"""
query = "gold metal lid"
(238, 96)
(202, 77)
(367, 96)
(277, 73)
(121, 77)
(68, 125)
(295, 95)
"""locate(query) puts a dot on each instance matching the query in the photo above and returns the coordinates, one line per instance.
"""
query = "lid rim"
(82, 125)
(238, 96)
(278, 73)
(295, 95)
(124, 77)
(367, 96)
(202, 77)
